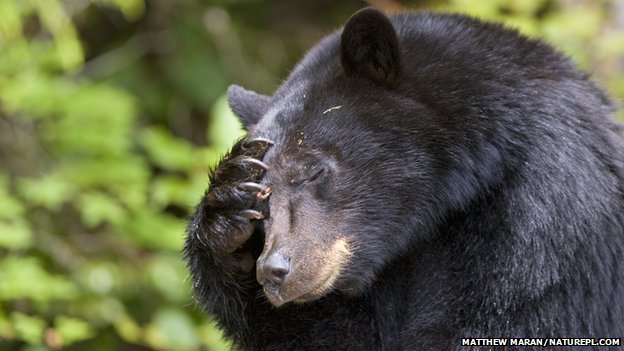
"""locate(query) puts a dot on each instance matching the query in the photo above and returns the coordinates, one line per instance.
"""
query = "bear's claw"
(254, 162)
(252, 214)
(260, 141)
(250, 187)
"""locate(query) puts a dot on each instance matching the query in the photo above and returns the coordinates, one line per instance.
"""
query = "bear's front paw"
(227, 215)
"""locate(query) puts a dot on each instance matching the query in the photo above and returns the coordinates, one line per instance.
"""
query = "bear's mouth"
(278, 297)
(320, 290)
(320, 281)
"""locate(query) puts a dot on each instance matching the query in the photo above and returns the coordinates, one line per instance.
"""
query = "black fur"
(478, 175)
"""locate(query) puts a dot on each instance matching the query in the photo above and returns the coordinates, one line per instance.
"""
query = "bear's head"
(352, 177)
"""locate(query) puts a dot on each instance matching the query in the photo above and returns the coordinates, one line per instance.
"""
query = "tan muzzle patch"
(319, 277)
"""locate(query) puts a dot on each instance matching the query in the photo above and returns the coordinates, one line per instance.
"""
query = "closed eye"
(316, 175)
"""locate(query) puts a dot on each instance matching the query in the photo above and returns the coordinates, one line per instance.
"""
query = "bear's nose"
(272, 271)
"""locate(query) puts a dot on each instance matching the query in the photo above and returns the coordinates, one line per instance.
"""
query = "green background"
(112, 112)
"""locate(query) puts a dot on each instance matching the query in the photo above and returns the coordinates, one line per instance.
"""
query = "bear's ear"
(247, 105)
(369, 47)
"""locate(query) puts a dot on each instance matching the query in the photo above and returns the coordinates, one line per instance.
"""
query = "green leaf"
(10, 21)
(10, 207)
(526, 7)
(128, 329)
(168, 274)
(225, 128)
(172, 329)
(154, 230)
(176, 190)
(72, 330)
(27, 328)
(15, 234)
(124, 177)
(526, 26)
(566, 23)
(50, 191)
(33, 94)
(24, 277)
(56, 20)
(212, 337)
(481, 9)
(13, 58)
(205, 157)
(102, 309)
(91, 125)
(611, 44)
(97, 208)
(132, 9)
(167, 151)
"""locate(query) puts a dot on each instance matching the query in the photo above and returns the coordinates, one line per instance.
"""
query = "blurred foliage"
(111, 112)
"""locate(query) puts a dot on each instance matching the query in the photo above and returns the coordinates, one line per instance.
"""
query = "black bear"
(418, 180)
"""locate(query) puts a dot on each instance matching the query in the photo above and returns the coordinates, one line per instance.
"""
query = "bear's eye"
(318, 173)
